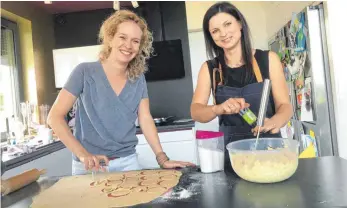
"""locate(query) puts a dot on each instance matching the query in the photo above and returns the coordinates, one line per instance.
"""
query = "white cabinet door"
(178, 145)
(58, 163)
(171, 136)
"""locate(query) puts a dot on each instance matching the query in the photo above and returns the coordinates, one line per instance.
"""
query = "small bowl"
(274, 160)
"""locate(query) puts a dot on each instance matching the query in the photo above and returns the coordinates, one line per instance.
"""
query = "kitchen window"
(11, 90)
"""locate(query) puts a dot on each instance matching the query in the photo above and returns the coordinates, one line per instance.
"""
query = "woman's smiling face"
(225, 30)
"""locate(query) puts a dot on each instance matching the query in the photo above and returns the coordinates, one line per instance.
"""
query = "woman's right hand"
(230, 106)
(92, 162)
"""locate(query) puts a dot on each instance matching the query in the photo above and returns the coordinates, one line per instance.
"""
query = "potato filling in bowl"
(269, 165)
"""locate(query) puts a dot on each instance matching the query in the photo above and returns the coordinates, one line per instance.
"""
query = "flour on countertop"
(190, 186)
(187, 188)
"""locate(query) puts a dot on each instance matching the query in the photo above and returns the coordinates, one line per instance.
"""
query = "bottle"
(249, 117)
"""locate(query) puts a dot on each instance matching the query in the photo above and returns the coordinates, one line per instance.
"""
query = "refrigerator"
(302, 47)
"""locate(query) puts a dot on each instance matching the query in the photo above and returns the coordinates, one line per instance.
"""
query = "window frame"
(18, 71)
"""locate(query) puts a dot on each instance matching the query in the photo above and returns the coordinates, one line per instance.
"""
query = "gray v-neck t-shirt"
(105, 122)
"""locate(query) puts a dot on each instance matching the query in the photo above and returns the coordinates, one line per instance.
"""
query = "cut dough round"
(131, 180)
(152, 186)
(119, 192)
(131, 174)
(150, 177)
(177, 173)
(149, 182)
(129, 184)
(168, 183)
(149, 172)
(139, 189)
(169, 172)
(97, 183)
(113, 183)
(165, 172)
(156, 190)
(107, 190)
(168, 177)
(116, 177)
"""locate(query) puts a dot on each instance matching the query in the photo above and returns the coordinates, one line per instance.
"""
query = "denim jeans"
(128, 163)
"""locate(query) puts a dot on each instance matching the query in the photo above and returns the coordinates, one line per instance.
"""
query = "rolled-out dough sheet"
(79, 191)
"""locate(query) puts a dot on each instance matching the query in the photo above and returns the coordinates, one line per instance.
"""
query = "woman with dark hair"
(235, 74)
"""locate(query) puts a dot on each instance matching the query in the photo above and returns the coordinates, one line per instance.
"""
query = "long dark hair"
(213, 50)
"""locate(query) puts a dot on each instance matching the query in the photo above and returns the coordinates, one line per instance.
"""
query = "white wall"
(197, 57)
(337, 44)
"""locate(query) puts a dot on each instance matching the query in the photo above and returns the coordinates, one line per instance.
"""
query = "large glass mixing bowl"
(274, 159)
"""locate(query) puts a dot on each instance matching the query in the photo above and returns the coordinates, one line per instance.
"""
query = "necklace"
(236, 65)
(233, 65)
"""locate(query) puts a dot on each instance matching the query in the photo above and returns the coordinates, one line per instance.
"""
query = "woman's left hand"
(270, 125)
(176, 164)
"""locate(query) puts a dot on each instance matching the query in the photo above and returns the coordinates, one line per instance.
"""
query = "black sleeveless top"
(235, 77)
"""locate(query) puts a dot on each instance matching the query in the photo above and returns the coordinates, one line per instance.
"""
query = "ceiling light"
(116, 5)
(48, 2)
(135, 4)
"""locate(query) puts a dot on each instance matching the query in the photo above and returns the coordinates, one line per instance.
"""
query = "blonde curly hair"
(137, 66)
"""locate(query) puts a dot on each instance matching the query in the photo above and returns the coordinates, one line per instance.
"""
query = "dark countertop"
(171, 127)
(319, 182)
(58, 145)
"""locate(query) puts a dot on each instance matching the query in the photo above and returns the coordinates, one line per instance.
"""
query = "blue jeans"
(128, 163)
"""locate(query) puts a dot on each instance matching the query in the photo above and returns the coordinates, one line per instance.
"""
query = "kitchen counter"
(318, 182)
(171, 127)
(58, 145)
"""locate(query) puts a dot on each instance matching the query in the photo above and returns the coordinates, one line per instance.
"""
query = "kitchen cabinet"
(178, 145)
(58, 163)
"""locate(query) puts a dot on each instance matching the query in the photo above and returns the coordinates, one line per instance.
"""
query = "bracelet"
(162, 158)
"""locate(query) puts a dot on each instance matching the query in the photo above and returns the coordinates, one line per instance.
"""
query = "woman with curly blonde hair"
(111, 94)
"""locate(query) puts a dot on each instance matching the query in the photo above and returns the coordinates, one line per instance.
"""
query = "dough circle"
(119, 192)
(168, 177)
(139, 189)
(169, 172)
(113, 183)
(150, 177)
(149, 182)
(149, 172)
(129, 184)
(115, 177)
(156, 189)
(168, 183)
(131, 174)
(107, 190)
(98, 183)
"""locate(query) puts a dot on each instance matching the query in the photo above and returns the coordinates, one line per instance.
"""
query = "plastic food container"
(274, 160)
(211, 150)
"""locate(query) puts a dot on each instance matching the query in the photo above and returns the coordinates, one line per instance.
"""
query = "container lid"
(208, 134)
